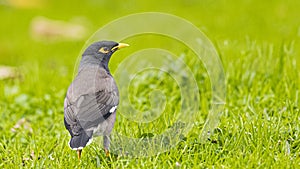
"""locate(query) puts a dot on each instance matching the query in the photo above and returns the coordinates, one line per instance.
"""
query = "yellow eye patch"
(104, 50)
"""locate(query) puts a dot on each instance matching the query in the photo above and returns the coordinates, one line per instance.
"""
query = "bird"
(92, 98)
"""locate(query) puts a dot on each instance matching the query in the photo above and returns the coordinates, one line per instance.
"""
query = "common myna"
(92, 98)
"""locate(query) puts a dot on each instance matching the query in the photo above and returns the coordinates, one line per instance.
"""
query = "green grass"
(258, 43)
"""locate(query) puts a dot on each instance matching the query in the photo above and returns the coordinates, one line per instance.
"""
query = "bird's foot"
(106, 152)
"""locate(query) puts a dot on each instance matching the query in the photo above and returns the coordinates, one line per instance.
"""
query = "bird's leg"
(79, 154)
(106, 143)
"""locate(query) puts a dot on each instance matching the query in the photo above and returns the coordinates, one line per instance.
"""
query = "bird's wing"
(95, 108)
(90, 109)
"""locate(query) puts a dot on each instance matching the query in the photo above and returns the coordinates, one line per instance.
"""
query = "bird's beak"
(79, 154)
(120, 45)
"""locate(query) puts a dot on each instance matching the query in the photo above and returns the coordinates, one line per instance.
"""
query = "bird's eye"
(104, 50)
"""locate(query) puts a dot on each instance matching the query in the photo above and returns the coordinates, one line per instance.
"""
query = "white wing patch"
(113, 109)
(89, 142)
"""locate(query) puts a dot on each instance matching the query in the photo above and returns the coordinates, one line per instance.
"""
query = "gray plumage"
(92, 98)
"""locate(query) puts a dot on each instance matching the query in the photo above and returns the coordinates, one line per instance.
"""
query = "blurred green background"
(230, 25)
(274, 22)
(258, 42)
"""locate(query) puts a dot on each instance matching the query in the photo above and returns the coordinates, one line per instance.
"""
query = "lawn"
(258, 44)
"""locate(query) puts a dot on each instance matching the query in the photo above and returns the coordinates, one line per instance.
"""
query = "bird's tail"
(77, 142)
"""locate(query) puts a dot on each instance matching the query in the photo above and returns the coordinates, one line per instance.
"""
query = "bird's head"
(103, 49)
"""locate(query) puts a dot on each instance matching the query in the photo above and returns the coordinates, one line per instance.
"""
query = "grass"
(259, 126)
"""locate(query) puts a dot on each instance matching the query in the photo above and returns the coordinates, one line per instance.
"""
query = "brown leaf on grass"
(22, 124)
(8, 72)
(46, 29)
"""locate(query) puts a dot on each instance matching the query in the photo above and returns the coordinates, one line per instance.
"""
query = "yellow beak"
(120, 45)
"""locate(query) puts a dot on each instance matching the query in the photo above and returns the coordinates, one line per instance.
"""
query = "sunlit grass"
(259, 127)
